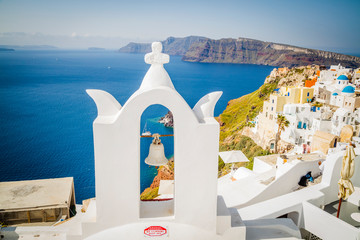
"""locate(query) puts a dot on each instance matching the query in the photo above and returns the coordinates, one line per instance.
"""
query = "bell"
(156, 155)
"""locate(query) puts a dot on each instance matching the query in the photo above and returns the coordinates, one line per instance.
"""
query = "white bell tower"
(197, 211)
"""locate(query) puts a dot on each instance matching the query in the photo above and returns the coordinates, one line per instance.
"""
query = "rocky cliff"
(250, 51)
(245, 51)
(295, 76)
(165, 172)
(167, 120)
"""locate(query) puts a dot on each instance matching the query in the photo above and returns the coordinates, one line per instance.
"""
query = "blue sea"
(46, 115)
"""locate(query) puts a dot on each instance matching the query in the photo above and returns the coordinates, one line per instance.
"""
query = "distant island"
(6, 50)
(244, 51)
(96, 49)
(29, 47)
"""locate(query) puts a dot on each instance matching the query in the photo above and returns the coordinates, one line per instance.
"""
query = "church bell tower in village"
(195, 212)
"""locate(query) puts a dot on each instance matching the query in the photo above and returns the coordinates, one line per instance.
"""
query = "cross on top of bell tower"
(156, 76)
(156, 56)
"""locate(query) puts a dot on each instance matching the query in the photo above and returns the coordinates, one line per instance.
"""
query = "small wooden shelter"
(46, 200)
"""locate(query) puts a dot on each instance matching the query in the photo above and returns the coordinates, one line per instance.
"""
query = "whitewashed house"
(322, 94)
(356, 78)
(321, 124)
(301, 117)
(342, 117)
(357, 123)
(333, 73)
(341, 82)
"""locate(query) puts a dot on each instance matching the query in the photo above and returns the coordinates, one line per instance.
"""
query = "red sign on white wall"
(155, 231)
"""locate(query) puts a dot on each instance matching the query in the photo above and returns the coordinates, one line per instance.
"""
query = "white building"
(321, 93)
(357, 123)
(335, 86)
(333, 73)
(356, 78)
(321, 124)
(301, 117)
(342, 117)
(341, 82)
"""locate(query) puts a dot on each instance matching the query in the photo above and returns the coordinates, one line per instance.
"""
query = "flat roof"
(272, 159)
(45, 193)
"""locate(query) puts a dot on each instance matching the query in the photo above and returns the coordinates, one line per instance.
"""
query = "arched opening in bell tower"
(157, 168)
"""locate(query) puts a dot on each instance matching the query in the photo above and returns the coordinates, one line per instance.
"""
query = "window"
(271, 117)
(266, 114)
(273, 101)
(272, 145)
(308, 94)
(272, 108)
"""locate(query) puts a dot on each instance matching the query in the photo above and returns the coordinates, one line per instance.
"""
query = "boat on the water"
(145, 132)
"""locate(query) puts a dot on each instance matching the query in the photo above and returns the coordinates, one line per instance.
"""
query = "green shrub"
(298, 70)
(244, 109)
(238, 115)
(149, 193)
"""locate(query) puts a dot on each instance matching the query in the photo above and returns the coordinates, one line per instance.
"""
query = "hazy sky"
(323, 24)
